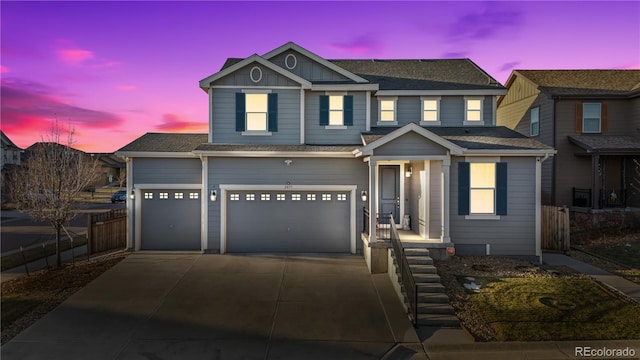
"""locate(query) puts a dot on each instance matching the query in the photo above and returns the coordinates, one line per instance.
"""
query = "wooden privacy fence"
(107, 231)
(555, 228)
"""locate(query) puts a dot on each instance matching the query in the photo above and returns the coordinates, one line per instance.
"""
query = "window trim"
(531, 122)
(599, 118)
(466, 111)
(424, 122)
(394, 99)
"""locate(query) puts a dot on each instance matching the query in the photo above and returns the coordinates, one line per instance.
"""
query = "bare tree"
(48, 183)
(122, 176)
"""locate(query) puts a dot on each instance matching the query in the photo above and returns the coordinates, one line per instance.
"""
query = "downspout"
(553, 172)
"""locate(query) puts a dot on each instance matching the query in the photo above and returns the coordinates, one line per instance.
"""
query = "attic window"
(255, 74)
(290, 61)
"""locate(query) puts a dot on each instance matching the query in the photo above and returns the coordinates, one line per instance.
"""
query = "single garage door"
(288, 221)
(170, 219)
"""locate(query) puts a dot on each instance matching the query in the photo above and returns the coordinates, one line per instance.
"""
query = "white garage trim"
(137, 188)
(230, 187)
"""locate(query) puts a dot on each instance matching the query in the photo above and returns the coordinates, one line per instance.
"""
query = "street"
(18, 229)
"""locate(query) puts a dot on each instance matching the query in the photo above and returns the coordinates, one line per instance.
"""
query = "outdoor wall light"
(288, 162)
(363, 195)
(132, 195)
(214, 195)
(408, 171)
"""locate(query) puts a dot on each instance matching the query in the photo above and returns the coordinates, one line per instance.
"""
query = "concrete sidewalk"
(618, 283)
(79, 253)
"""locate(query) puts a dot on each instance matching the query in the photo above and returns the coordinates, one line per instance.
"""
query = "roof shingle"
(584, 82)
(165, 142)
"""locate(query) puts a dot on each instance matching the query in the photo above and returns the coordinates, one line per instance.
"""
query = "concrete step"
(426, 288)
(419, 260)
(426, 278)
(444, 309)
(433, 298)
(423, 269)
(416, 252)
(438, 320)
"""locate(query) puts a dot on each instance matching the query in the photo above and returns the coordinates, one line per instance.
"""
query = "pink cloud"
(361, 44)
(126, 87)
(29, 107)
(4, 69)
(173, 122)
(75, 56)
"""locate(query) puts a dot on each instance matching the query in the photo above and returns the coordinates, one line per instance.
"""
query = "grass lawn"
(627, 255)
(13, 260)
(553, 308)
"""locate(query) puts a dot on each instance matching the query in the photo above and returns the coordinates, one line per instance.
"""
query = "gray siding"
(242, 77)
(270, 171)
(435, 193)
(224, 119)
(452, 109)
(410, 144)
(514, 233)
(167, 171)
(316, 134)
(307, 68)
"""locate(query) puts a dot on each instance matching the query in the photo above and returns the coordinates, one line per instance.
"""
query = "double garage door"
(170, 219)
(288, 221)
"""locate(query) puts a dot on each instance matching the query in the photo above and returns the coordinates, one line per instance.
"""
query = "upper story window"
(535, 121)
(387, 111)
(256, 113)
(591, 117)
(473, 111)
(336, 111)
(430, 110)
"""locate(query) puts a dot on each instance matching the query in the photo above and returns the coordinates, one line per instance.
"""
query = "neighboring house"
(301, 148)
(10, 158)
(112, 169)
(592, 118)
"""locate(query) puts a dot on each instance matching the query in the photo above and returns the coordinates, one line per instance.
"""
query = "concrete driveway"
(168, 306)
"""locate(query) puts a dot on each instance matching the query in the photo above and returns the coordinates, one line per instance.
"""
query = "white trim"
(446, 205)
(256, 133)
(256, 91)
(386, 123)
(438, 110)
(295, 61)
(138, 200)
(209, 132)
(466, 111)
(407, 158)
(494, 107)
(344, 87)
(130, 205)
(248, 187)
(395, 111)
(254, 87)
(302, 154)
(368, 111)
(251, 74)
(302, 115)
(206, 82)
(336, 93)
(368, 149)
(292, 46)
(441, 92)
(538, 214)
(335, 127)
(482, 217)
(155, 154)
(204, 211)
(426, 200)
(372, 173)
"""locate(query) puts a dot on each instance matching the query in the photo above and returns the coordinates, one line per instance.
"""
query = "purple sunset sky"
(116, 70)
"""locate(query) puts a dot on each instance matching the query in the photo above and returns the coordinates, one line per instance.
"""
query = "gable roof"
(206, 82)
(415, 74)
(368, 148)
(6, 142)
(163, 143)
(592, 143)
(293, 46)
(473, 138)
(583, 82)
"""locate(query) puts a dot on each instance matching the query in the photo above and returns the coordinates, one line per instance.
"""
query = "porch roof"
(164, 142)
(275, 148)
(607, 144)
(472, 138)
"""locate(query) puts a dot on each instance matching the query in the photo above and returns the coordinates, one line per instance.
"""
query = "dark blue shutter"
(463, 188)
(240, 111)
(501, 188)
(348, 110)
(324, 110)
(273, 112)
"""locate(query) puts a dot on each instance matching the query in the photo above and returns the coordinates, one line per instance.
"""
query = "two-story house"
(592, 118)
(306, 154)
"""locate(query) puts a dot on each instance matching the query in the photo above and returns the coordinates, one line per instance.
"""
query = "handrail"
(408, 282)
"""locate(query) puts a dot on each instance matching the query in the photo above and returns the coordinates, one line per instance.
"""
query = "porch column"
(373, 200)
(446, 188)
(595, 195)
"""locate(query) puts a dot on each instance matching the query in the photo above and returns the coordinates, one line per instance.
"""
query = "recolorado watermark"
(604, 352)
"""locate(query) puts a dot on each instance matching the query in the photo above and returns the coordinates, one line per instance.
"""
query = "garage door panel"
(170, 222)
(288, 225)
